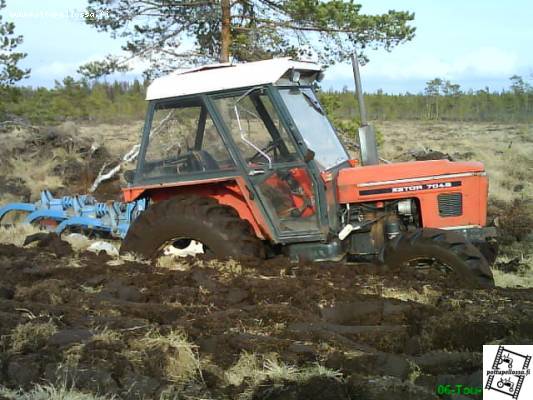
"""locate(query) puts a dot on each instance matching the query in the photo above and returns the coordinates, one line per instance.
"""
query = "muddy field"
(211, 330)
(82, 325)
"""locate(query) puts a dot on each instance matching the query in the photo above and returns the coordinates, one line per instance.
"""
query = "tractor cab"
(272, 135)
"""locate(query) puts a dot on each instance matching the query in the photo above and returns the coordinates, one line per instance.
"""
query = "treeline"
(115, 102)
(120, 102)
(441, 100)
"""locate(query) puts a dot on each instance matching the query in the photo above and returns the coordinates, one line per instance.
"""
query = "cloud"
(55, 69)
(485, 62)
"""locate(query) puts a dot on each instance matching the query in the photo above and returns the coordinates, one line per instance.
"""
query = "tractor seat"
(201, 160)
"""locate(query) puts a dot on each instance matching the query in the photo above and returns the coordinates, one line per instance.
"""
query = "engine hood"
(386, 175)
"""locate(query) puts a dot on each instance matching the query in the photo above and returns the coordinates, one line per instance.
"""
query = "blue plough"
(80, 212)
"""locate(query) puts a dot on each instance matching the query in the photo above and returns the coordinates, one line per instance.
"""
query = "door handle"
(254, 172)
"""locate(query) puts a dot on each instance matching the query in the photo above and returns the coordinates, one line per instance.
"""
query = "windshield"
(314, 127)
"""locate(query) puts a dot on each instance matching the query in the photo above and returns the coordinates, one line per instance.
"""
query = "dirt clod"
(312, 389)
(50, 242)
(69, 336)
(135, 330)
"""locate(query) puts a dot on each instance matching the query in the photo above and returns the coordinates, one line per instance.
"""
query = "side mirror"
(309, 155)
(129, 175)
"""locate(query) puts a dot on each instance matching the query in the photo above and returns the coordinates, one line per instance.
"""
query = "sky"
(476, 43)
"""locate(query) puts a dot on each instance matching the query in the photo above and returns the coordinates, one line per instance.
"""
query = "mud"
(514, 220)
(381, 335)
(386, 335)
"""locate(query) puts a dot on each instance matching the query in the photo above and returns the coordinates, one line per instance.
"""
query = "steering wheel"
(196, 160)
(272, 145)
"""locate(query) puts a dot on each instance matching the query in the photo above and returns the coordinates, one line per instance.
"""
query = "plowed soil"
(213, 330)
(388, 336)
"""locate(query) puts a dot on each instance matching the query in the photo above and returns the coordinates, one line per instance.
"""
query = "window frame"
(241, 166)
(239, 92)
(205, 112)
(293, 124)
(301, 149)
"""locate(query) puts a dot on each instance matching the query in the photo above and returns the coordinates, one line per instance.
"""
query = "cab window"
(256, 128)
(184, 140)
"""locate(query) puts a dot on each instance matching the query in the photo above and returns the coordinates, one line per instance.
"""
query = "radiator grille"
(450, 204)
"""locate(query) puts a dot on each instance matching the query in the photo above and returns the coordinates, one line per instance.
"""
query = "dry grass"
(505, 149)
(172, 263)
(6, 198)
(49, 392)
(319, 370)
(253, 370)
(278, 371)
(181, 361)
(117, 139)
(17, 234)
(127, 257)
(504, 279)
(247, 367)
(91, 289)
(228, 268)
(106, 335)
(31, 336)
(36, 173)
(71, 358)
(522, 278)
(426, 296)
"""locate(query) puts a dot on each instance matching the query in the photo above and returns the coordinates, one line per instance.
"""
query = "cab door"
(274, 167)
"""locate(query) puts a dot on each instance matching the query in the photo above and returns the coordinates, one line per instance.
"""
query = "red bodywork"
(422, 180)
(230, 191)
(405, 179)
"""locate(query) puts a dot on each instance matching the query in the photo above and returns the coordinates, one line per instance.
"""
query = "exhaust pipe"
(367, 137)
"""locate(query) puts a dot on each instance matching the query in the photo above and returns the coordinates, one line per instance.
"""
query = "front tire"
(466, 264)
(218, 227)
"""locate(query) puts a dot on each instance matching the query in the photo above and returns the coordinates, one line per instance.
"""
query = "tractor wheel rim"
(172, 249)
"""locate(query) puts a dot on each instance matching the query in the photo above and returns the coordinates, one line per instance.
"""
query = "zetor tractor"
(241, 161)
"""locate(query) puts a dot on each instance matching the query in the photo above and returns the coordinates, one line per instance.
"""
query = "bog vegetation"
(120, 102)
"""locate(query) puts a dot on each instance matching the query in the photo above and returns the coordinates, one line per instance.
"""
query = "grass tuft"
(229, 268)
(50, 392)
(17, 234)
(31, 336)
(106, 335)
(181, 360)
(253, 370)
(247, 367)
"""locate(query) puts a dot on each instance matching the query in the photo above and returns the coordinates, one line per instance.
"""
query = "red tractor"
(242, 161)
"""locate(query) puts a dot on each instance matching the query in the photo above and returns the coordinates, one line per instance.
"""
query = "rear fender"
(229, 192)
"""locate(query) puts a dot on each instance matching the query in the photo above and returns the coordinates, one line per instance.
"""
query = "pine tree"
(172, 33)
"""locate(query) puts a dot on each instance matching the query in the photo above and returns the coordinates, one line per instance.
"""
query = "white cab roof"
(212, 78)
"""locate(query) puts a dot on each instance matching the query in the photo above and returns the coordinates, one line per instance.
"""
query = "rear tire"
(203, 219)
(465, 262)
